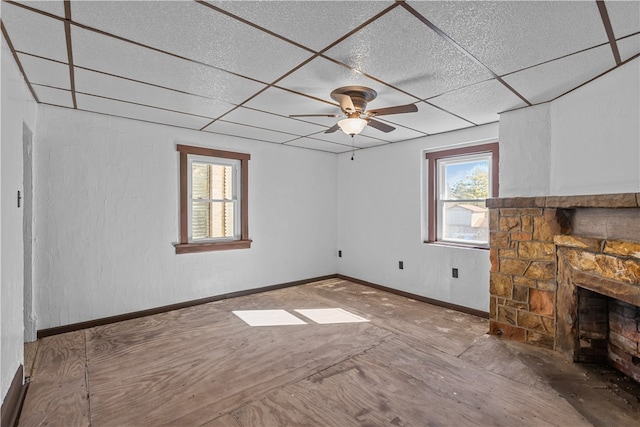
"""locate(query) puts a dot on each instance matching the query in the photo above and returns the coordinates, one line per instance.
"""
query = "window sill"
(456, 245)
(189, 248)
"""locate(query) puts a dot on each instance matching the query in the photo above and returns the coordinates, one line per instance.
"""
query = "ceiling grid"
(67, 33)
(452, 42)
(602, 8)
(15, 57)
(242, 68)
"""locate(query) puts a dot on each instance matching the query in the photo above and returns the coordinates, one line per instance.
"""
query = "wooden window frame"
(184, 246)
(432, 185)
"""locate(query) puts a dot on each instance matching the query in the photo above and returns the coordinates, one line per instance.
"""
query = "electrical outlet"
(454, 273)
(401, 265)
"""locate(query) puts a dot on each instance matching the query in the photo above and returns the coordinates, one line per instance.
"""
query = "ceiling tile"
(400, 50)
(45, 72)
(248, 116)
(629, 46)
(244, 131)
(316, 144)
(196, 32)
(428, 119)
(368, 143)
(113, 56)
(624, 17)
(548, 81)
(284, 103)
(306, 22)
(125, 90)
(54, 7)
(34, 33)
(321, 76)
(324, 122)
(53, 96)
(137, 112)
(399, 134)
(479, 103)
(511, 35)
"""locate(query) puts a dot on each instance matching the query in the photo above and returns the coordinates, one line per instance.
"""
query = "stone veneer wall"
(523, 283)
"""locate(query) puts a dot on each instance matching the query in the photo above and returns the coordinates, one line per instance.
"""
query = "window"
(213, 200)
(459, 182)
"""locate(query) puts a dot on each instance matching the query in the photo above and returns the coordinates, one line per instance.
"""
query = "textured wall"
(107, 217)
(525, 150)
(595, 136)
(587, 142)
(18, 107)
(381, 206)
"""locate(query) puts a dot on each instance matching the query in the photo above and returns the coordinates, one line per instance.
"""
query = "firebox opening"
(608, 332)
(593, 327)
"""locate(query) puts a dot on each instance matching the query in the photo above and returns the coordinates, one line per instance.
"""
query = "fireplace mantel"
(619, 200)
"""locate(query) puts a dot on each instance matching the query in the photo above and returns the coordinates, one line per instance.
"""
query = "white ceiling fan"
(353, 103)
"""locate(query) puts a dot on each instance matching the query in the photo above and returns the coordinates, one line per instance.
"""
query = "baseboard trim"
(420, 298)
(12, 403)
(42, 333)
(157, 310)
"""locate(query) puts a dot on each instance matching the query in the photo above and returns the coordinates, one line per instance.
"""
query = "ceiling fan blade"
(346, 103)
(314, 115)
(332, 129)
(380, 126)
(409, 108)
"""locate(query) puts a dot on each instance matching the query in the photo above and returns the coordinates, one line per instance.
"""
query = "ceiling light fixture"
(352, 126)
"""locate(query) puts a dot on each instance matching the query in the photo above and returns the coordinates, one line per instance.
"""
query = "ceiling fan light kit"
(353, 102)
(352, 126)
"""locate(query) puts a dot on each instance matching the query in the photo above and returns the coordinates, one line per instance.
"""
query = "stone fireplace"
(565, 275)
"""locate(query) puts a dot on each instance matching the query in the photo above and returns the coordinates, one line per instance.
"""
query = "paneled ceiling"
(242, 67)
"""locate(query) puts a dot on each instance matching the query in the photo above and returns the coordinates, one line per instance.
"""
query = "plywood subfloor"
(411, 364)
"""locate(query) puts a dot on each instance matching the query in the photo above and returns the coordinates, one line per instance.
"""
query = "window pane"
(466, 180)
(211, 182)
(200, 180)
(466, 222)
(212, 220)
(221, 182)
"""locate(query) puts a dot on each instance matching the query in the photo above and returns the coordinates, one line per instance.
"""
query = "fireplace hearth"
(565, 275)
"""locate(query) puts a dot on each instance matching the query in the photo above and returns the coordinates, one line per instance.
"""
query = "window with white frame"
(213, 200)
(459, 183)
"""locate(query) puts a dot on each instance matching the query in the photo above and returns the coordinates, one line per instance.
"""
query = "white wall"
(106, 204)
(586, 142)
(381, 199)
(525, 152)
(595, 136)
(17, 107)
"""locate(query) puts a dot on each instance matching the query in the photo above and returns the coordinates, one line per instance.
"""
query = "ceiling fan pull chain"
(353, 147)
